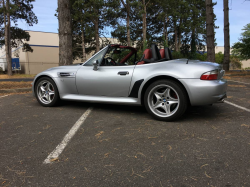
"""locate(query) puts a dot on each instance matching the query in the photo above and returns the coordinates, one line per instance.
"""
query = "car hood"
(55, 71)
(76, 66)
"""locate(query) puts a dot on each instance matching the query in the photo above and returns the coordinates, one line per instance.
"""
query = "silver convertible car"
(166, 87)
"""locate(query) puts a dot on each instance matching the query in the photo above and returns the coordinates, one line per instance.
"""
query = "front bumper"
(203, 92)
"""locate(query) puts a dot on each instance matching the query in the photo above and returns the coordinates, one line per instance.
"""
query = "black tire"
(179, 93)
(56, 97)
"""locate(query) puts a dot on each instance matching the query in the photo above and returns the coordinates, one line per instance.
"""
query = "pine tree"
(226, 37)
(12, 36)
(210, 31)
(127, 7)
(65, 32)
(82, 29)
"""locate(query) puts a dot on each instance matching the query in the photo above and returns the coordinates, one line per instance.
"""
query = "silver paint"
(106, 85)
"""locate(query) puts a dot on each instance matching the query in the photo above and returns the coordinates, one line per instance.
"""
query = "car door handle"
(123, 73)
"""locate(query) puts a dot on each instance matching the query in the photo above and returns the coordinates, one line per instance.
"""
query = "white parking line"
(59, 149)
(243, 108)
(4, 96)
(238, 82)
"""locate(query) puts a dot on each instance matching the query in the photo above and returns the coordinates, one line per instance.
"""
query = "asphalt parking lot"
(123, 146)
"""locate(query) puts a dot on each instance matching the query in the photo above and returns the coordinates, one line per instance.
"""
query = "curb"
(237, 74)
(18, 90)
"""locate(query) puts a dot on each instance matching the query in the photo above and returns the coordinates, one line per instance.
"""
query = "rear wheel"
(46, 92)
(166, 100)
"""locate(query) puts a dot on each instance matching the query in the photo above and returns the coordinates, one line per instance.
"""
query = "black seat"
(155, 53)
(168, 54)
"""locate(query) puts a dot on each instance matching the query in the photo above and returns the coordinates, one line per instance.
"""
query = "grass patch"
(14, 85)
(16, 76)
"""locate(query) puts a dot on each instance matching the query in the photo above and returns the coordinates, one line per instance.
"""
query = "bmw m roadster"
(166, 87)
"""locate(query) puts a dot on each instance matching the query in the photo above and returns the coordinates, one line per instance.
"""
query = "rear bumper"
(205, 92)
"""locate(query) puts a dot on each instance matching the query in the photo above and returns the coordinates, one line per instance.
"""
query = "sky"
(239, 16)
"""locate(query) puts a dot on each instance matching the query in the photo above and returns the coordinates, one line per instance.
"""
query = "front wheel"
(46, 92)
(166, 100)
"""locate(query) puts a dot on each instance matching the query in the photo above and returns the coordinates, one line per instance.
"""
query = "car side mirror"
(95, 64)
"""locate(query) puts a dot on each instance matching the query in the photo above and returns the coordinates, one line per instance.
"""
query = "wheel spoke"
(51, 93)
(49, 98)
(167, 109)
(173, 102)
(166, 93)
(43, 96)
(157, 95)
(47, 87)
(42, 88)
(158, 104)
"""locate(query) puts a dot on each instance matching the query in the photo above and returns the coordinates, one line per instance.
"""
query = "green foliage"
(177, 55)
(84, 15)
(19, 10)
(219, 58)
(201, 57)
(145, 45)
(165, 43)
(165, 20)
(139, 55)
(241, 49)
(1, 71)
(235, 62)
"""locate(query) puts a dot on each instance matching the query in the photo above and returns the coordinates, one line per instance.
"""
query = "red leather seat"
(147, 55)
(162, 52)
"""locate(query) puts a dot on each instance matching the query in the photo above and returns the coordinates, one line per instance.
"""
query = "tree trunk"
(210, 31)
(128, 23)
(226, 37)
(65, 33)
(144, 22)
(7, 37)
(166, 31)
(193, 45)
(176, 37)
(179, 35)
(96, 23)
(179, 41)
(83, 47)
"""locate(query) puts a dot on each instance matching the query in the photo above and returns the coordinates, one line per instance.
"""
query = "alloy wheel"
(45, 92)
(163, 100)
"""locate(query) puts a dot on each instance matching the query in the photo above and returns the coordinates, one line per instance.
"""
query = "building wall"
(246, 64)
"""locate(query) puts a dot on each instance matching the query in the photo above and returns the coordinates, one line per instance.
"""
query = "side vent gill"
(66, 74)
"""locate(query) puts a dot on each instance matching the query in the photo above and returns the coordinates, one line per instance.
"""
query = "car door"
(111, 81)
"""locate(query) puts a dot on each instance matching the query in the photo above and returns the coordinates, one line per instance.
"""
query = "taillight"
(211, 75)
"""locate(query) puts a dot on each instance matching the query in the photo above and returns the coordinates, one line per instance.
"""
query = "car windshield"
(95, 57)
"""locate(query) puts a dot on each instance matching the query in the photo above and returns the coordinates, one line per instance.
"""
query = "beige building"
(46, 53)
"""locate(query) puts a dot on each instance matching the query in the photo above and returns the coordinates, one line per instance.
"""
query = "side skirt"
(102, 99)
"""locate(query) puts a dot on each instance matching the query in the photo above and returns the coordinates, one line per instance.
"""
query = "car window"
(98, 57)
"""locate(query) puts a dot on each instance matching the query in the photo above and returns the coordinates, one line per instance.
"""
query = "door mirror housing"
(96, 65)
